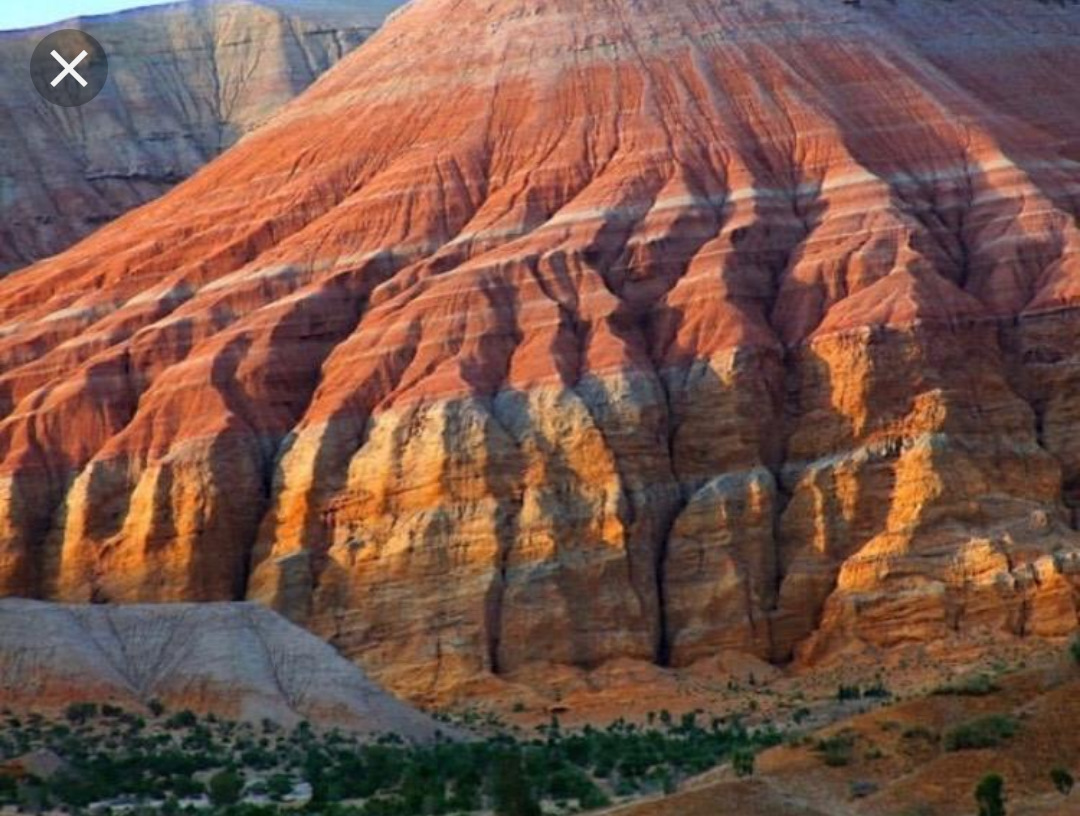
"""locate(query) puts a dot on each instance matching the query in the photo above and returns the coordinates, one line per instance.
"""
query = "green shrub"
(978, 686)
(837, 750)
(279, 786)
(1062, 780)
(848, 693)
(79, 713)
(742, 761)
(32, 797)
(985, 732)
(7, 789)
(990, 796)
(594, 799)
(920, 732)
(182, 719)
(1074, 649)
(225, 787)
(877, 691)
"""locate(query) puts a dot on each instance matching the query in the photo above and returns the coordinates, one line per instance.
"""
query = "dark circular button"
(69, 68)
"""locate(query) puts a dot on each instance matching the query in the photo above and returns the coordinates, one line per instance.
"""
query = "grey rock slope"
(187, 80)
(236, 660)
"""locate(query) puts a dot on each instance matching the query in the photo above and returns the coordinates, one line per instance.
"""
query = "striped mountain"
(544, 333)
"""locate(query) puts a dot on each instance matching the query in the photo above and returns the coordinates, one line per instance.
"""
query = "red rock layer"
(558, 332)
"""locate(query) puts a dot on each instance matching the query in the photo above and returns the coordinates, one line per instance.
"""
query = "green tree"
(279, 786)
(77, 789)
(510, 788)
(182, 719)
(226, 787)
(742, 760)
(668, 783)
(990, 795)
(79, 713)
(7, 789)
(33, 796)
(594, 798)
(1063, 781)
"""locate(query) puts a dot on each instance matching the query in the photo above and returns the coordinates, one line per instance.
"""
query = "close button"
(69, 68)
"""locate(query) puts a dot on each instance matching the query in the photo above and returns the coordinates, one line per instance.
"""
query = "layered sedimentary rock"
(239, 661)
(561, 332)
(187, 81)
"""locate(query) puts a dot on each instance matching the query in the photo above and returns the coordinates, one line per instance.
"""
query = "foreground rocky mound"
(187, 80)
(545, 334)
(238, 661)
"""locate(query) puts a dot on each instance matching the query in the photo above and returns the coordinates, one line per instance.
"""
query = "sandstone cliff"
(557, 332)
(239, 661)
(187, 80)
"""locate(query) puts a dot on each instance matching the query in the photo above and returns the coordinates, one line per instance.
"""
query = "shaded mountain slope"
(187, 80)
(547, 333)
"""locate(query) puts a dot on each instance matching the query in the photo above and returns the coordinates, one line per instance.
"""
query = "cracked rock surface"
(556, 333)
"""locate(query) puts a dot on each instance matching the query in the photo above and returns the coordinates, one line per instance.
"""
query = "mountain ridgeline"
(187, 81)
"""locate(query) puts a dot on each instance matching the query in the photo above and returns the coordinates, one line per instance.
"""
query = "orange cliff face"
(558, 332)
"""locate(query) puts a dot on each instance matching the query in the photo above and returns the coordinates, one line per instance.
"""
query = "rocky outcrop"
(187, 81)
(239, 661)
(556, 333)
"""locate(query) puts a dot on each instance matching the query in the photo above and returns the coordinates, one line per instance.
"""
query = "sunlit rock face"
(187, 80)
(549, 333)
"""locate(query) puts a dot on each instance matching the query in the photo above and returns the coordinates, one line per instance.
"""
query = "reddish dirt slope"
(900, 762)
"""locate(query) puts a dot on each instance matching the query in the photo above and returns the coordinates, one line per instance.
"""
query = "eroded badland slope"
(539, 335)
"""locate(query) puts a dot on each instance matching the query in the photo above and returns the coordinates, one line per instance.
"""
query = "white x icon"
(69, 68)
